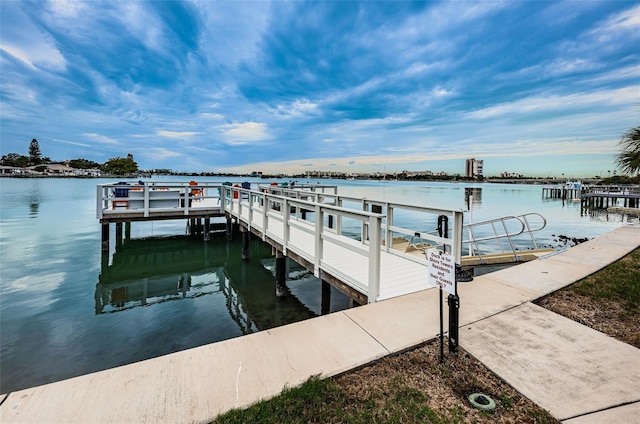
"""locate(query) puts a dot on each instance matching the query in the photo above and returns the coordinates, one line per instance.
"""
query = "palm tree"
(629, 157)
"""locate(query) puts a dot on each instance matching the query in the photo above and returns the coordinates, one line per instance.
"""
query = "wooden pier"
(611, 196)
(357, 245)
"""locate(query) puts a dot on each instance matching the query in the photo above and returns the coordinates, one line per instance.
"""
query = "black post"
(325, 306)
(281, 274)
(245, 243)
(441, 329)
(443, 231)
(454, 307)
(229, 228)
(207, 229)
(105, 237)
(118, 234)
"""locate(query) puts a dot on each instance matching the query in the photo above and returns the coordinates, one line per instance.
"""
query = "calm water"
(65, 310)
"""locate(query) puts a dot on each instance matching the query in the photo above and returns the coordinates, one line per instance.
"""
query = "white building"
(473, 168)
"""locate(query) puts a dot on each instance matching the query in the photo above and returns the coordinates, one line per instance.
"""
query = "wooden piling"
(281, 274)
(105, 237)
(207, 228)
(245, 242)
(229, 228)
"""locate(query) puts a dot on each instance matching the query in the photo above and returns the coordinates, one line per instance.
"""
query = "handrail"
(283, 209)
(153, 197)
(304, 221)
(523, 226)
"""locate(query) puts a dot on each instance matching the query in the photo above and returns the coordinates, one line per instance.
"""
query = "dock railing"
(131, 199)
(312, 224)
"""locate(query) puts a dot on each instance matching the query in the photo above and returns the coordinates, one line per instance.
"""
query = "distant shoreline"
(587, 181)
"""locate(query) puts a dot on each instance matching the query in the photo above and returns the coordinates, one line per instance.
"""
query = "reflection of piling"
(118, 234)
(245, 242)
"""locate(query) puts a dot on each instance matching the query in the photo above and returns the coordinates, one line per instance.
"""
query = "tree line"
(628, 158)
(115, 166)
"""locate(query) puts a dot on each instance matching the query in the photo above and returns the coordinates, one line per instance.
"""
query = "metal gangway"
(504, 240)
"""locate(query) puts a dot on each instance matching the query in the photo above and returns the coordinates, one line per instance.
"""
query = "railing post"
(387, 233)
(363, 230)
(456, 245)
(100, 202)
(339, 217)
(265, 209)
(145, 201)
(318, 239)
(286, 215)
(374, 258)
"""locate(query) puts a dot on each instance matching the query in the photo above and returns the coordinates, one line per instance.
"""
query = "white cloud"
(101, 138)
(601, 99)
(245, 132)
(177, 134)
(625, 21)
(27, 42)
(300, 107)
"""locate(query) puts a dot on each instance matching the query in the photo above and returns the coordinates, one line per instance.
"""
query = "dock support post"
(127, 231)
(245, 242)
(207, 228)
(118, 234)
(325, 305)
(229, 228)
(281, 274)
(105, 237)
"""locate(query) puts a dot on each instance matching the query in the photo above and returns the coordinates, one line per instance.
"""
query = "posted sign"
(442, 270)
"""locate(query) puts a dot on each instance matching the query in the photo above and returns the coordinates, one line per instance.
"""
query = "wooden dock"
(358, 245)
(612, 196)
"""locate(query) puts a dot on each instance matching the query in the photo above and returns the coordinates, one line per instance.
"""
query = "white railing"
(311, 223)
(341, 235)
(501, 235)
(180, 198)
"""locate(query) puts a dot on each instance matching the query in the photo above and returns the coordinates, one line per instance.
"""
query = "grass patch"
(607, 301)
(412, 387)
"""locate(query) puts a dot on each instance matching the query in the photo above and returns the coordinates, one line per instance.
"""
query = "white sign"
(442, 270)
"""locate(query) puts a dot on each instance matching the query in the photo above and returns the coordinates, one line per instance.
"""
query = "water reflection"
(34, 197)
(150, 271)
(629, 216)
(474, 193)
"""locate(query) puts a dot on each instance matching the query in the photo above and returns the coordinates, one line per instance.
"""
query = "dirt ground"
(445, 387)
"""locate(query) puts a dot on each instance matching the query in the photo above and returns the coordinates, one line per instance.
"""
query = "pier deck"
(360, 246)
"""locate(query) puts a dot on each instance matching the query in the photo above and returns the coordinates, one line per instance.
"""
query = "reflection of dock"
(145, 272)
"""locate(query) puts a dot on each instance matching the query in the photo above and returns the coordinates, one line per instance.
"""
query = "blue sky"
(535, 87)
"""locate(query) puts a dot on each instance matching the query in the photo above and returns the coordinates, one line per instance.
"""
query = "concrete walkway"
(578, 374)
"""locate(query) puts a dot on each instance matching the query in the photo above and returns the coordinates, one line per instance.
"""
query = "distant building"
(473, 168)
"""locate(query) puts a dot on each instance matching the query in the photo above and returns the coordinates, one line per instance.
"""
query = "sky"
(538, 88)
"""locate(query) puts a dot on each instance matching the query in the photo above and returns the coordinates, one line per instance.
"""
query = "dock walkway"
(580, 375)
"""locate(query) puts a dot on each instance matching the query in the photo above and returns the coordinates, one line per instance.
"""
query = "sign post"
(442, 272)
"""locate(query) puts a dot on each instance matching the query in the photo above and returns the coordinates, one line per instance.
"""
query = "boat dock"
(370, 250)
(605, 197)
(578, 374)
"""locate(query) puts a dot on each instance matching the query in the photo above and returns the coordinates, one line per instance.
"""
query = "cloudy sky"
(535, 87)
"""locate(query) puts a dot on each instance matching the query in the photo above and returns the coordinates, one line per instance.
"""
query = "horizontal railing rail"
(134, 199)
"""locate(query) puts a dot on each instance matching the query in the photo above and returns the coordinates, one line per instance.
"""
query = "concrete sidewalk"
(546, 357)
